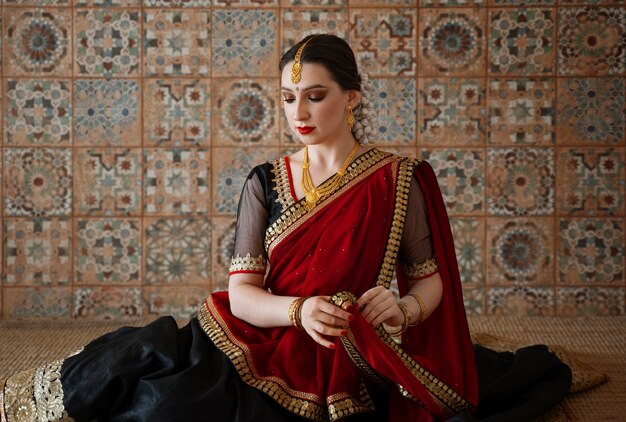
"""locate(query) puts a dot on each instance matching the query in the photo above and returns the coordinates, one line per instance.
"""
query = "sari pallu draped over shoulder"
(349, 243)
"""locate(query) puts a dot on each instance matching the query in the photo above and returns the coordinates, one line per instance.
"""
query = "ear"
(354, 98)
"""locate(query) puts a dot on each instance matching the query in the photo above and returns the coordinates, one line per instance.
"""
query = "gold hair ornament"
(296, 67)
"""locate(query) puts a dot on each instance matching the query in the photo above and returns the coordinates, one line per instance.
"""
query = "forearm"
(430, 290)
(255, 305)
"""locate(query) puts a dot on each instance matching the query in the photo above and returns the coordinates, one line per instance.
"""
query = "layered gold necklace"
(312, 193)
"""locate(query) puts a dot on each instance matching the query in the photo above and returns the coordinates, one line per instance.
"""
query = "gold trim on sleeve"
(417, 270)
(247, 263)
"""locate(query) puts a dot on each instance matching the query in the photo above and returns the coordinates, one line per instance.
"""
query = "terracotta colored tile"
(177, 3)
(181, 302)
(107, 3)
(107, 112)
(452, 42)
(451, 3)
(23, 55)
(246, 112)
(591, 181)
(104, 50)
(520, 301)
(100, 303)
(177, 112)
(37, 2)
(36, 302)
(177, 251)
(38, 182)
(107, 181)
(521, 2)
(246, 3)
(469, 245)
(108, 251)
(393, 101)
(298, 23)
(373, 3)
(520, 252)
(38, 112)
(590, 251)
(223, 246)
(245, 43)
(452, 112)
(384, 40)
(590, 302)
(177, 42)
(474, 301)
(37, 252)
(286, 3)
(461, 178)
(520, 181)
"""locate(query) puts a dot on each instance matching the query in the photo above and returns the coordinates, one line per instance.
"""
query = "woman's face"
(316, 107)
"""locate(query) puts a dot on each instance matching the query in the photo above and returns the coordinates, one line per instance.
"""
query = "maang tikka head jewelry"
(296, 67)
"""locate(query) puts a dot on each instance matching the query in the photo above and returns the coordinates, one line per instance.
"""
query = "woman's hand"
(320, 318)
(379, 305)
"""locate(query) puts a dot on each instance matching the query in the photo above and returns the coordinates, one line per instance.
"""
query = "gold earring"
(351, 119)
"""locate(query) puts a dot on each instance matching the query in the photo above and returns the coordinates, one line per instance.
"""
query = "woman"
(309, 329)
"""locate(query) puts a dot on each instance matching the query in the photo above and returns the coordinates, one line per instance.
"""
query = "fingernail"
(350, 318)
(331, 346)
(344, 333)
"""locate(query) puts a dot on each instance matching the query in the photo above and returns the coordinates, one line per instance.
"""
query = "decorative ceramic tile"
(37, 42)
(38, 182)
(178, 251)
(451, 3)
(452, 42)
(469, 245)
(108, 251)
(37, 251)
(298, 23)
(591, 110)
(37, 2)
(108, 42)
(591, 2)
(452, 111)
(591, 251)
(177, 112)
(591, 181)
(521, 41)
(246, 112)
(520, 181)
(36, 302)
(177, 3)
(181, 302)
(520, 251)
(521, 2)
(393, 100)
(107, 112)
(286, 3)
(374, 3)
(177, 42)
(245, 43)
(107, 3)
(383, 40)
(38, 112)
(461, 178)
(246, 3)
(520, 301)
(590, 302)
(231, 166)
(592, 41)
(223, 246)
(100, 303)
(474, 301)
(522, 111)
(177, 181)
(107, 182)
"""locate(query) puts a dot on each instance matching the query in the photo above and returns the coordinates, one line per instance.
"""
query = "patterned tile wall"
(128, 127)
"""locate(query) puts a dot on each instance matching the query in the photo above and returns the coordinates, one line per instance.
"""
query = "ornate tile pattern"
(591, 181)
(592, 41)
(177, 251)
(521, 252)
(246, 112)
(38, 2)
(38, 112)
(521, 301)
(393, 100)
(177, 3)
(180, 302)
(461, 178)
(522, 111)
(177, 42)
(520, 181)
(107, 42)
(177, 181)
(107, 3)
(107, 182)
(246, 3)
(452, 112)
(38, 182)
(522, 2)
(469, 245)
(224, 244)
(591, 110)
(451, 3)
(384, 40)
(586, 302)
(521, 41)
(452, 42)
(591, 251)
(286, 3)
(298, 23)
(473, 300)
(245, 43)
(177, 112)
(107, 112)
(108, 251)
(37, 252)
(100, 303)
(36, 302)
(37, 41)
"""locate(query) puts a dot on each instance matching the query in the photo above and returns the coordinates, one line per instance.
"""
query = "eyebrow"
(305, 89)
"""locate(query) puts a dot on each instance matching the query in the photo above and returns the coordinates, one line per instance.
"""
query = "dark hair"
(333, 53)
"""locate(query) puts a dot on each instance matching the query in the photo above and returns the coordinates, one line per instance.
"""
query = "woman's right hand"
(320, 318)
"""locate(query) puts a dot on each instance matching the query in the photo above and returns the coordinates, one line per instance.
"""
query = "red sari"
(350, 242)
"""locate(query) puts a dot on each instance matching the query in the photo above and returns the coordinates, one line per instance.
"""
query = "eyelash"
(291, 100)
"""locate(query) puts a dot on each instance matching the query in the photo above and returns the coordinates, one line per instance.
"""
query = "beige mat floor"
(599, 342)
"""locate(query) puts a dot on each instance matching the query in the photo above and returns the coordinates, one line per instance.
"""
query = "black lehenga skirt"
(164, 373)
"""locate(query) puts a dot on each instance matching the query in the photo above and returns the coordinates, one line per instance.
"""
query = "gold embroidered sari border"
(281, 179)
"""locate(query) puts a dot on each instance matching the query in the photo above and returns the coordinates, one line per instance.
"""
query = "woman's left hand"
(379, 305)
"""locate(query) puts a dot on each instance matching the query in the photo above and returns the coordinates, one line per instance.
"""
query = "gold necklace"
(312, 193)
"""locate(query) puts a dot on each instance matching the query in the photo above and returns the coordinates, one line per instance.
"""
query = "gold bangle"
(422, 306)
(292, 311)
(405, 322)
(298, 316)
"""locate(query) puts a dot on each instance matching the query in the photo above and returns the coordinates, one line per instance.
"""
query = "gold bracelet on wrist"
(298, 316)
(292, 311)
(422, 306)
(405, 321)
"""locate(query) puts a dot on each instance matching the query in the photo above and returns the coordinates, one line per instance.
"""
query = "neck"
(324, 156)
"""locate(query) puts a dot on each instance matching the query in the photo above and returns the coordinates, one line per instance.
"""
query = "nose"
(300, 112)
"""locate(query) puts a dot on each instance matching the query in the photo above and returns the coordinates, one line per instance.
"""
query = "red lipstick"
(305, 130)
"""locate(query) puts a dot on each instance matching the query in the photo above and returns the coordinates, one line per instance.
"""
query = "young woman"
(309, 329)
